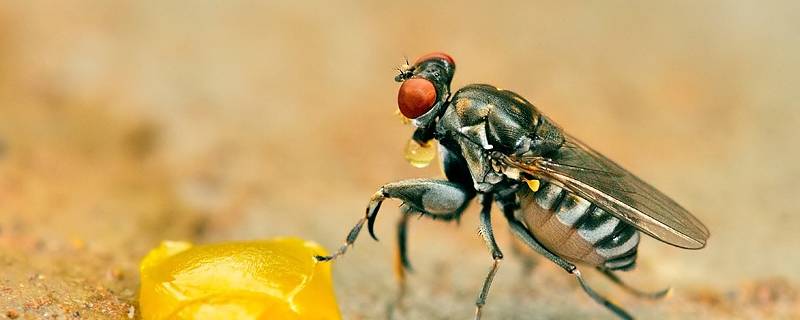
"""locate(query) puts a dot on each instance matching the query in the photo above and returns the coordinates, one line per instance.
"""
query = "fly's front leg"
(401, 263)
(438, 199)
(488, 237)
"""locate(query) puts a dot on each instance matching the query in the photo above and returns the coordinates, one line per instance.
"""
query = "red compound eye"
(436, 55)
(416, 97)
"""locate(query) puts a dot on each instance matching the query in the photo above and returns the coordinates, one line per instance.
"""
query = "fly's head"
(425, 87)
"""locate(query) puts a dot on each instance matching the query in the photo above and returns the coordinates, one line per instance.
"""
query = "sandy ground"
(126, 124)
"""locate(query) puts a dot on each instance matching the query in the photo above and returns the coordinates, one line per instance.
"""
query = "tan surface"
(130, 123)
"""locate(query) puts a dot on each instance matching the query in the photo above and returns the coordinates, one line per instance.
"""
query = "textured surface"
(130, 123)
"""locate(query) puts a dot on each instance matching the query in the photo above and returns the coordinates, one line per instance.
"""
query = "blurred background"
(126, 123)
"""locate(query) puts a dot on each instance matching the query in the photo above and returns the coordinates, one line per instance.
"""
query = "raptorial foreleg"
(437, 199)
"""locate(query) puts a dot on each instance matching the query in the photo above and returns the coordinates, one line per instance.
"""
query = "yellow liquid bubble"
(403, 119)
(271, 279)
(420, 155)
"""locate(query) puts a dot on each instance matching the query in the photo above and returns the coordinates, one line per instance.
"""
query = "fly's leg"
(438, 199)
(525, 235)
(401, 263)
(636, 292)
(497, 255)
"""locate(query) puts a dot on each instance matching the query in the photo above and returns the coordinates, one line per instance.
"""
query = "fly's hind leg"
(522, 232)
(527, 261)
(636, 292)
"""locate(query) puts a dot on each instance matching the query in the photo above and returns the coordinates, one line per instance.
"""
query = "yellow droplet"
(533, 184)
(420, 155)
(270, 279)
(403, 118)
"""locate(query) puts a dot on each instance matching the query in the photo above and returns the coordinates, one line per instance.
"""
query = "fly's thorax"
(510, 123)
(546, 139)
(471, 148)
(485, 120)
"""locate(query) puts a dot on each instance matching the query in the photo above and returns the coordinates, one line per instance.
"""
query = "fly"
(560, 197)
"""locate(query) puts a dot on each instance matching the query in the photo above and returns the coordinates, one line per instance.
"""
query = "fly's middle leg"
(497, 256)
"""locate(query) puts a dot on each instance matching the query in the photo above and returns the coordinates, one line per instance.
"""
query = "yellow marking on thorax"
(533, 184)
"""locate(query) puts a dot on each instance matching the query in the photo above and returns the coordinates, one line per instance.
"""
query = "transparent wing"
(591, 175)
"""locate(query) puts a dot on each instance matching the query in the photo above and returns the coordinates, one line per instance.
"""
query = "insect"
(560, 197)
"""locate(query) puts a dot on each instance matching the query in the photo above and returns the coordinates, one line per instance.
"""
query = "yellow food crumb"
(270, 279)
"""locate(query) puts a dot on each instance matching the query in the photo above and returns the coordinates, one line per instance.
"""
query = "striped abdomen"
(576, 229)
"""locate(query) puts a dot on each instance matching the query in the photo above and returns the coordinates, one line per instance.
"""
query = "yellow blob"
(271, 279)
(533, 184)
(403, 118)
(420, 155)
